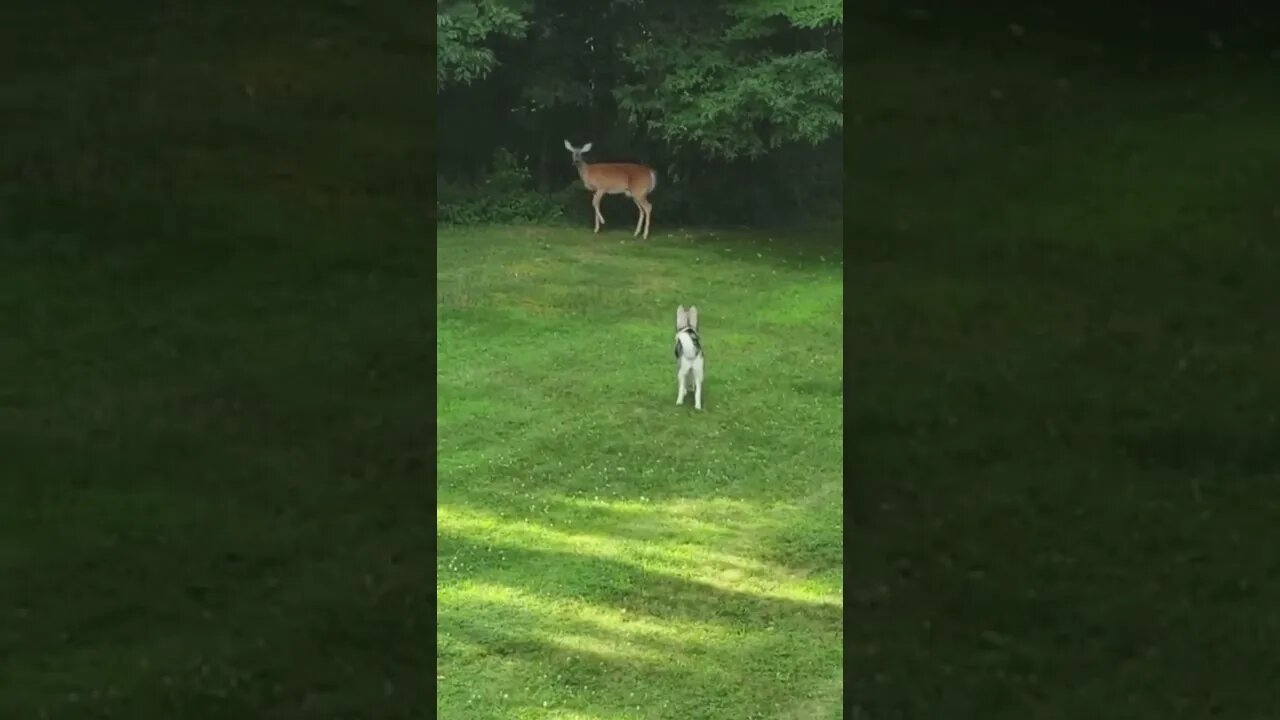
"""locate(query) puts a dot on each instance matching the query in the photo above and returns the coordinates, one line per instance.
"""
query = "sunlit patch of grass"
(707, 520)
(545, 714)
(685, 558)
(477, 596)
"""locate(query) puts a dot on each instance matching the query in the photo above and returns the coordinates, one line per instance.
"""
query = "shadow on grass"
(587, 654)
(797, 249)
(623, 585)
(774, 541)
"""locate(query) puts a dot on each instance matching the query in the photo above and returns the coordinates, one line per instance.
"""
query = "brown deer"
(631, 179)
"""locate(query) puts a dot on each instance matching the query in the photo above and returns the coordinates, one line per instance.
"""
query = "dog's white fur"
(689, 355)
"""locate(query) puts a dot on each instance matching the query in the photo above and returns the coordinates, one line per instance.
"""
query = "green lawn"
(1062, 293)
(603, 553)
(215, 423)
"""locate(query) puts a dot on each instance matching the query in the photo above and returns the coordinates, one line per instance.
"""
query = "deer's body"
(631, 179)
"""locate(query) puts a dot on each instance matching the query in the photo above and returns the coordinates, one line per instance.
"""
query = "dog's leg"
(697, 384)
(681, 376)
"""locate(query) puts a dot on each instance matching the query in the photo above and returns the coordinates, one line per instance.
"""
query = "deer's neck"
(582, 169)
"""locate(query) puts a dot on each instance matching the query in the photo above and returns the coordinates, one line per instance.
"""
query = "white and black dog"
(689, 355)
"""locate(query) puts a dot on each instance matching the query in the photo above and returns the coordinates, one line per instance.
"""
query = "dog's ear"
(693, 316)
(680, 317)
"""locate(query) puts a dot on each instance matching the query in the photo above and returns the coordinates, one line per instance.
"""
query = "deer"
(634, 180)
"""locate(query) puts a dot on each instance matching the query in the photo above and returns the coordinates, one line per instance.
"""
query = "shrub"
(502, 195)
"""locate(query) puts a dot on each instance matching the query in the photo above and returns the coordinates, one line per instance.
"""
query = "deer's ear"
(586, 147)
(567, 146)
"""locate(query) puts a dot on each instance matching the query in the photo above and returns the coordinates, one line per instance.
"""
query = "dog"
(689, 355)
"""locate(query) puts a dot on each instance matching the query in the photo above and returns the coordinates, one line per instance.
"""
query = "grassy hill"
(607, 554)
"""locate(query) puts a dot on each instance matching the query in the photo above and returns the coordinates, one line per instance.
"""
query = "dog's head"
(686, 318)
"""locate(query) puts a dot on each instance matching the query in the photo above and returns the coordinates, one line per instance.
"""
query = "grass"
(603, 553)
(213, 418)
(1063, 420)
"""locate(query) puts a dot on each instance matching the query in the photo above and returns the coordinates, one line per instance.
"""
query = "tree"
(462, 29)
(741, 78)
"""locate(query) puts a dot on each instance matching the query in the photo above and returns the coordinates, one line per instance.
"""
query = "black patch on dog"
(693, 335)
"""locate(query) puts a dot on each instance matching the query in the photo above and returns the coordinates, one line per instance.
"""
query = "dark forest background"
(736, 105)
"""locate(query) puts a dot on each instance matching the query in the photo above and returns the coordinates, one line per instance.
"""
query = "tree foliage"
(741, 81)
(463, 28)
(704, 92)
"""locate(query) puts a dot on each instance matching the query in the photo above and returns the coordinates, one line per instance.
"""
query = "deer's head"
(577, 152)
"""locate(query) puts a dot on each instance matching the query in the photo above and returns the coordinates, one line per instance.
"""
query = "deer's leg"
(639, 218)
(595, 203)
(647, 207)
